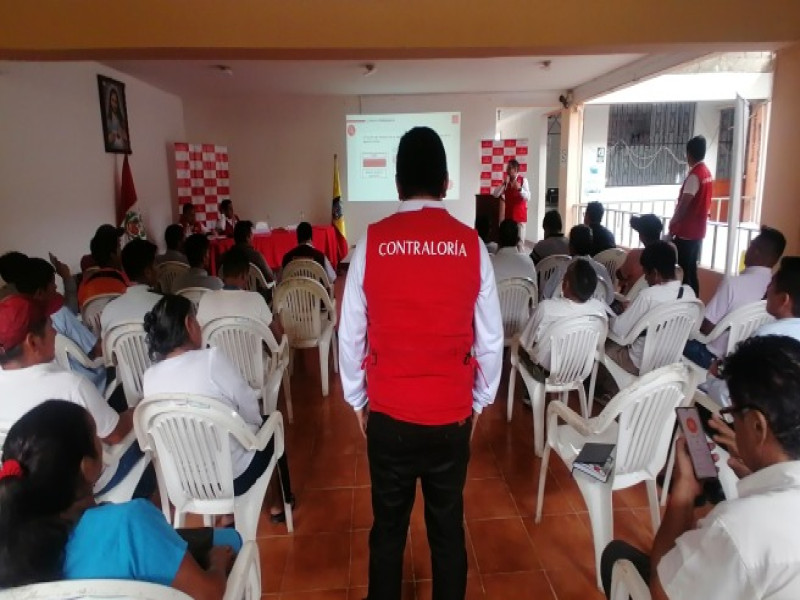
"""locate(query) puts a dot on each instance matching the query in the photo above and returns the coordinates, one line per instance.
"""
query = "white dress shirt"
(524, 189)
(487, 324)
(233, 303)
(130, 307)
(24, 389)
(745, 549)
(548, 312)
(208, 372)
(647, 299)
(734, 292)
(558, 276)
(197, 277)
(510, 262)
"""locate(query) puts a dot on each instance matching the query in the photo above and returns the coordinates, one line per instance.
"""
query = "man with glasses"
(746, 548)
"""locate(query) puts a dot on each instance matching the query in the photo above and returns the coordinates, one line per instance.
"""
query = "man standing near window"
(688, 224)
(515, 193)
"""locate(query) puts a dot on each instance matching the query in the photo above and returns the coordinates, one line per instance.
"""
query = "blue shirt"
(124, 541)
(68, 325)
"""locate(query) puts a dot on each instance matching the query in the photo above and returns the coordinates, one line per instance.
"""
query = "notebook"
(595, 460)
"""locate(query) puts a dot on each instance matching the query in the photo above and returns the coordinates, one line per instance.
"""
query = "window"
(725, 147)
(647, 143)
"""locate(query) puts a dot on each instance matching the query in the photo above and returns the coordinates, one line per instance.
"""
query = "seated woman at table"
(51, 528)
(243, 236)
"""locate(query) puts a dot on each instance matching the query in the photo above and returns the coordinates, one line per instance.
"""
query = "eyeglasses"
(734, 410)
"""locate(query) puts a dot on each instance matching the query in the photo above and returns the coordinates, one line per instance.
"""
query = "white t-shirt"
(208, 372)
(692, 185)
(746, 548)
(510, 262)
(647, 299)
(233, 303)
(24, 389)
(131, 306)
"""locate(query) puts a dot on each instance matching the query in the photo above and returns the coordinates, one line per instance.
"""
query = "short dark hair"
(37, 275)
(241, 231)
(482, 226)
(104, 244)
(304, 232)
(49, 442)
(582, 279)
(773, 242)
(787, 281)
(594, 212)
(513, 163)
(195, 248)
(235, 263)
(187, 207)
(137, 256)
(659, 256)
(165, 326)
(173, 236)
(696, 148)
(552, 221)
(764, 373)
(223, 206)
(509, 233)
(12, 264)
(421, 164)
(580, 240)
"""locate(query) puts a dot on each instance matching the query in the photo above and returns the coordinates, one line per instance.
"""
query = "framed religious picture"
(114, 113)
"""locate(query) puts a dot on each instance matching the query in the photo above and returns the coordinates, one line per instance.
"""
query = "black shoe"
(281, 516)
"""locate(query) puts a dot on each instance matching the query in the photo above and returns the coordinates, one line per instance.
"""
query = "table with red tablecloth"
(274, 245)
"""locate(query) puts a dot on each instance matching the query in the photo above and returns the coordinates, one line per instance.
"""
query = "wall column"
(569, 171)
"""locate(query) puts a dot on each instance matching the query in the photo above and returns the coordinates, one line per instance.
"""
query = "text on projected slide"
(372, 142)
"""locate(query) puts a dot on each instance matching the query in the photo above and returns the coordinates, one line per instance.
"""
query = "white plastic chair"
(66, 349)
(639, 420)
(242, 340)
(306, 267)
(190, 439)
(627, 584)
(125, 346)
(92, 309)
(547, 267)
(575, 346)
(244, 583)
(518, 298)
(256, 280)
(603, 290)
(168, 272)
(309, 320)
(194, 294)
(635, 290)
(612, 259)
(666, 329)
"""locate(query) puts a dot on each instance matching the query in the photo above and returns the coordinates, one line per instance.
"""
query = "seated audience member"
(243, 236)
(188, 220)
(197, 249)
(580, 244)
(12, 265)
(305, 249)
(749, 286)
(554, 241)
(482, 227)
(28, 377)
(745, 548)
(509, 261)
(649, 228)
(173, 238)
(579, 284)
(182, 366)
(106, 243)
(52, 529)
(658, 263)
(104, 276)
(138, 259)
(227, 218)
(602, 238)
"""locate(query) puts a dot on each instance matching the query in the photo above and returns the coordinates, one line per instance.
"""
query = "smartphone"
(696, 442)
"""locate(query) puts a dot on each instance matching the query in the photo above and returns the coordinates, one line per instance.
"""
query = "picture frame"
(114, 115)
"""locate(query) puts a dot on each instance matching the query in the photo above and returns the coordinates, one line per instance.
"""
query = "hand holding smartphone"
(696, 442)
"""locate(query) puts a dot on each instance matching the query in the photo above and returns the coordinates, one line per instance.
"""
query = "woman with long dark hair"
(51, 528)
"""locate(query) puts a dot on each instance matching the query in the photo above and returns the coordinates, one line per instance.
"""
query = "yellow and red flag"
(337, 216)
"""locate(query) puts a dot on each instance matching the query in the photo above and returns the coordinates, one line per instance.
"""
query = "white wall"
(57, 184)
(281, 149)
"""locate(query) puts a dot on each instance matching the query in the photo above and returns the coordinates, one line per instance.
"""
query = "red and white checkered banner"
(495, 154)
(203, 179)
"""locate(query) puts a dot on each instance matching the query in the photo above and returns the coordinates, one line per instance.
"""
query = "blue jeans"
(147, 484)
(698, 354)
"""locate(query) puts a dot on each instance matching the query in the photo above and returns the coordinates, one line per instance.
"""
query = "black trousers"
(619, 550)
(400, 453)
(688, 257)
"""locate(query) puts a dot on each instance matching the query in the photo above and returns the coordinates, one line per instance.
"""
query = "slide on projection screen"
(372, 142)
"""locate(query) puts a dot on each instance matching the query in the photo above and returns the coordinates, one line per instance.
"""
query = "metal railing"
(618, 215)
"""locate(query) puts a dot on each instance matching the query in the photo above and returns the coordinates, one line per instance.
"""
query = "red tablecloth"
(278, 242)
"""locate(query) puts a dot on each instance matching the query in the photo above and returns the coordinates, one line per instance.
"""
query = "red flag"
(127, 191)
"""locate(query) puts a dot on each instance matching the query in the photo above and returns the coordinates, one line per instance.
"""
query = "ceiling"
(390, 77)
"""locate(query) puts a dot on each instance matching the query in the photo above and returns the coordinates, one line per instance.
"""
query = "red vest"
(421, 282)
(692, 226)
(516, 207)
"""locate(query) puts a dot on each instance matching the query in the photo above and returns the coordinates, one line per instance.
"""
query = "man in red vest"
(515, 193)
(688, 224)
(421, 350)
